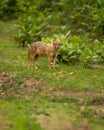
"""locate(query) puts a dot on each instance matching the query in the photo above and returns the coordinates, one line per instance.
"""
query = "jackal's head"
(56, 44)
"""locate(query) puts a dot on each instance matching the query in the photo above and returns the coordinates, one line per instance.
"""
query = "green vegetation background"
(70, 97)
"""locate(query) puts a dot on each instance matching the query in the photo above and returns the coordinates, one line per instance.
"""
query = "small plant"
(89, 113)
(29, 30)
(65, 99)
(96, 101)
(72, 48)
(98, 17)
(30, 24)
(8, 9)
(4, 87)
(25, 123)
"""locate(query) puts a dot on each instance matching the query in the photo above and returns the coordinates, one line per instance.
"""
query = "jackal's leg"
(30, 56)
(54, 61)
(49, 62)
(35, 61)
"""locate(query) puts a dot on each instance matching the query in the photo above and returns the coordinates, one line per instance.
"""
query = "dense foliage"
(84, 20)
(78, 49)
(8, 9)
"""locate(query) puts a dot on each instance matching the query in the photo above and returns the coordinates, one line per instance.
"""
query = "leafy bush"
(78, 49)
(40, 18)
(33, 24)
(80, 16)
(8, 9)
(98, 17)
(29, 30)
(30, 24)
(71, 48)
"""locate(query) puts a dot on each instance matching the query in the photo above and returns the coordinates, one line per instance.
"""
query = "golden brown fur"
(38, 49)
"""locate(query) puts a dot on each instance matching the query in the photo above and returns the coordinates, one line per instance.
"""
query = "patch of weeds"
(89, 88)
(95, 101)
(25, 123)
(97, 126)
(89, 113)
(19, 81)
(97, 122)
(4, 87)
(65, 99)
(41, 110)
(18, 114)
(100, 120)
(15, 89)
(9, 97)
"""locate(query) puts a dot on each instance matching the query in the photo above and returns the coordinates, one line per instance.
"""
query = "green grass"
(71, 93)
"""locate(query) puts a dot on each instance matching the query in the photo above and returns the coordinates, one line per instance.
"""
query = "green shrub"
(8, 9)
(26, 123)
(30, 24)
(39, 19)
(98, 17)
(35, 22)
(78, 49)
(29, 30)
(59, 16)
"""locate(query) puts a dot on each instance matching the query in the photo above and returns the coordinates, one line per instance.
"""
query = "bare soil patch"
(9, 85)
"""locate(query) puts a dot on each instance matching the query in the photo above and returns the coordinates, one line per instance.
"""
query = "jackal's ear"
(53, 40)
(59, 39)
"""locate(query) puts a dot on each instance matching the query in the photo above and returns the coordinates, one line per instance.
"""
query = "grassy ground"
(68, 98)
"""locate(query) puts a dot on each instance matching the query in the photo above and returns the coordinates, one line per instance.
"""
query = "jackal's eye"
(58, 44)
